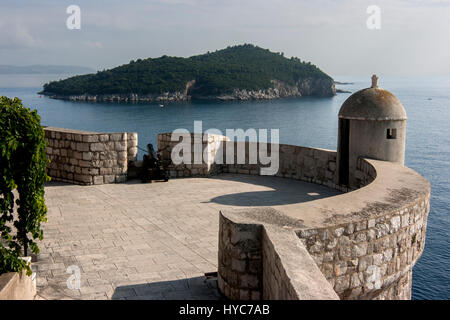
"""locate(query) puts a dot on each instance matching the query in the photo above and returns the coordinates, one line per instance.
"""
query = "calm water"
(307, 121)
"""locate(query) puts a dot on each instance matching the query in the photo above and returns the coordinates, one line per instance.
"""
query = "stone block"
(109, 178)
(121, 178)
(120, 146)
(109, 163)
(119, 170)
(338, 232)
(377, 259)
(117, 136)
(103, 137)
(134, 136)
(109, 146)
(342, 283)
(132, 152)
(373, 278)
(98, 180)
(97, 163)
(122, 156)
(87, 155)
(349, 229)
(83, 178)
(90, 138)
(98, 146)
(359, 250)
(106, 171)
(362, 225)
(84, 164)
(340, 269)
(364, 262)
(395, 223)
(356, 280)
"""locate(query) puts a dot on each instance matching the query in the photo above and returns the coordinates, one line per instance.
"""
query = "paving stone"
(122, 236)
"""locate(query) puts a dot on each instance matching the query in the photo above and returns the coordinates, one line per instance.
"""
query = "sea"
(300, 121)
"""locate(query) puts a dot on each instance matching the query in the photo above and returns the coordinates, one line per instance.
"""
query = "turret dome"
(372, 104)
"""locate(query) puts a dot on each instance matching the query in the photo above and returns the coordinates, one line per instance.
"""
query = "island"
(242, 72)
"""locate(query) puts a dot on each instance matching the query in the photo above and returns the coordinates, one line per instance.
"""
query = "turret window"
(391, 134)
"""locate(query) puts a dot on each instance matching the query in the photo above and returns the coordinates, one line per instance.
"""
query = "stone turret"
(372, 124)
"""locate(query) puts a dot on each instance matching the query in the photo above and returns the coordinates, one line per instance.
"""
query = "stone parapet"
(211, 149)
(295, 162)
(372, 257)
(260, 257)
(364, 242)
(86, 158)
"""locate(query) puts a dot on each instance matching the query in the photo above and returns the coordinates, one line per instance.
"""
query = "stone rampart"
(368, 250)
(86, 158)
(260, 257)
(210, 151)
(364, 242)
(295, 162)
(361, 244)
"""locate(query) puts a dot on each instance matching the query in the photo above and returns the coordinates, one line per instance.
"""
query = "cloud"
(15, 35)
(93, 44)
(332, 34)
(179, 2)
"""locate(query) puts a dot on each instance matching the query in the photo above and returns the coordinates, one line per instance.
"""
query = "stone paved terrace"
(149, 241)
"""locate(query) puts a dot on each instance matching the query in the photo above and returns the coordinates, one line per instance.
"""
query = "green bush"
(23, 163)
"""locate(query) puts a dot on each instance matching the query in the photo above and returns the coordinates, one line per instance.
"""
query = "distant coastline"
(44, 69)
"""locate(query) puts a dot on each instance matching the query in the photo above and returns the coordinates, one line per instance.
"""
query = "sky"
(412, 39)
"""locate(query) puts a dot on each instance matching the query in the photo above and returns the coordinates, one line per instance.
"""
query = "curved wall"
(373, 257)
(366, 248)
(295, 162)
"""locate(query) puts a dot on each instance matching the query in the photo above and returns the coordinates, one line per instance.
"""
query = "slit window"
(391, 134)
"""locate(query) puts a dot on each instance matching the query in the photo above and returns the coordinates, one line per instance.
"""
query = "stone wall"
(267, 261)
(364, 174)
(295, 162)
(240, 260)
(371, 258)
(365, 242)
(211, 148)
(87, 158)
